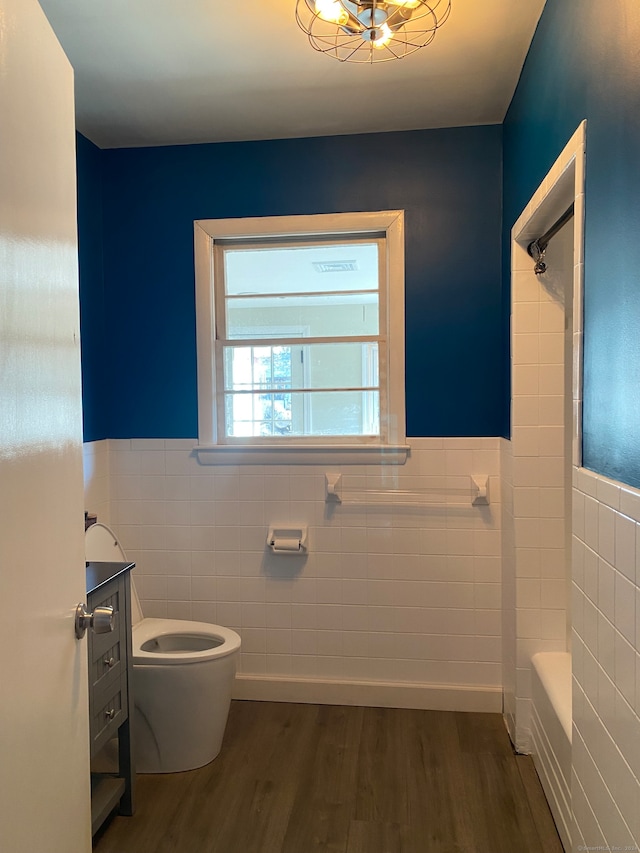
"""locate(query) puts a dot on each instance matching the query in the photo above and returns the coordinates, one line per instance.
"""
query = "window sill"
(270, 454)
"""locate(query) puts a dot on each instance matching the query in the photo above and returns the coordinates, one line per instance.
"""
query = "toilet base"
(181, 714)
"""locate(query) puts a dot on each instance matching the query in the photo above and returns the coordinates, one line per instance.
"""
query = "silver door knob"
(101, 620)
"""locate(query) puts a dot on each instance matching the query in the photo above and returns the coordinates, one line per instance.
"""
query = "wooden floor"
(303, 778)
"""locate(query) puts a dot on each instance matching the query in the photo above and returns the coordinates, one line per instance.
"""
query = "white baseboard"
(380, 694)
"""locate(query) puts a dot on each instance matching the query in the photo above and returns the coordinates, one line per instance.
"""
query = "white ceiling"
(159, 72)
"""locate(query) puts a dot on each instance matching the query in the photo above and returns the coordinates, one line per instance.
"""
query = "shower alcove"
(537, 470)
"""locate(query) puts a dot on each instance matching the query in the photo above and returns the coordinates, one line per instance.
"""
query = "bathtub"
(551, 734)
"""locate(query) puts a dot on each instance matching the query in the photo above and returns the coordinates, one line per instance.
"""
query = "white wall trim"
(381, 694)
(291, 454)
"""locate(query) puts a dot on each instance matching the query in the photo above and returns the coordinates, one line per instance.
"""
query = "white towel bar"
(476, 494)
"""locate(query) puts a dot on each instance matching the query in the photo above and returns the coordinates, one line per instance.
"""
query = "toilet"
(183, 672)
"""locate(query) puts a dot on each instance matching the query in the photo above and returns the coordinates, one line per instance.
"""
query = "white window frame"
(391, 446)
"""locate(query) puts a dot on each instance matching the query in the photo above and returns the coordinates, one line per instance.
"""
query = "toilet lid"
(101, 546)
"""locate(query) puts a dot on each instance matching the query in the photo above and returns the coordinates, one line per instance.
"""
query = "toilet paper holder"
(288, 540)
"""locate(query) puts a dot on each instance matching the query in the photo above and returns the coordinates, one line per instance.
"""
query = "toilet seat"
(192, 642)
(221, 641)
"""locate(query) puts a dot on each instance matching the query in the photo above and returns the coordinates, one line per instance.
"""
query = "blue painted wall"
(139, 378)
(584, 62)
(447, 181)
(92, 305)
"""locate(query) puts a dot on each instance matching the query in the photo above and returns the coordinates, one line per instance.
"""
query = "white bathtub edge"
(551, 734)
(554, 671)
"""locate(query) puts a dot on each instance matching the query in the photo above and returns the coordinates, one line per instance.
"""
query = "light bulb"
(383, 36)
(332, 11)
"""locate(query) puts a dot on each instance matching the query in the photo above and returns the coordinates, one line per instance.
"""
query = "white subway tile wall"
(606, 663)
(97, 496)
(387, 593)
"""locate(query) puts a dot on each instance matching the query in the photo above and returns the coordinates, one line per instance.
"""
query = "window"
(301, 338)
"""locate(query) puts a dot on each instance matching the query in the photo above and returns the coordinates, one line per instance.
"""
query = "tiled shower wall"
(606, 664)
(539, 465)
(546, 364)
(391, 595)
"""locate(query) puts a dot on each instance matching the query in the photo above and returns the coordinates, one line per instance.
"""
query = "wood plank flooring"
(305, 778)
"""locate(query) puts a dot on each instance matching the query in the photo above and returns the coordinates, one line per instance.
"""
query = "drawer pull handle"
(110, 714)
(109, 662)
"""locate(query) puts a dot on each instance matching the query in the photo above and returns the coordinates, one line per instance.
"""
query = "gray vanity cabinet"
(110, 694)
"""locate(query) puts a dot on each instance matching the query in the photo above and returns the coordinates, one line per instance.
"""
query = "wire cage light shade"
(370, 30)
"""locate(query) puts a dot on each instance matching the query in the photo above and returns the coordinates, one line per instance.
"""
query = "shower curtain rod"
(546, 238)
(537, 248)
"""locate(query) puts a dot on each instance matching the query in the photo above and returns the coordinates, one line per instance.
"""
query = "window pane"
(353, 315)
(335, 365)
(301, 269)
(251, 368)
(257, 415)
(301, 414)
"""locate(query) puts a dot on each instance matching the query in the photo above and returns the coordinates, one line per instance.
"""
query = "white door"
(44, 742)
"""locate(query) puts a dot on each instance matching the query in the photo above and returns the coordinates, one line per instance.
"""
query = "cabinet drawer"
(108, 713)
(111, 595)
(106, 666)
(101, 643)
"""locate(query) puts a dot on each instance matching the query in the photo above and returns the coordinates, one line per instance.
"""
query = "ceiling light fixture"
(370, 30)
